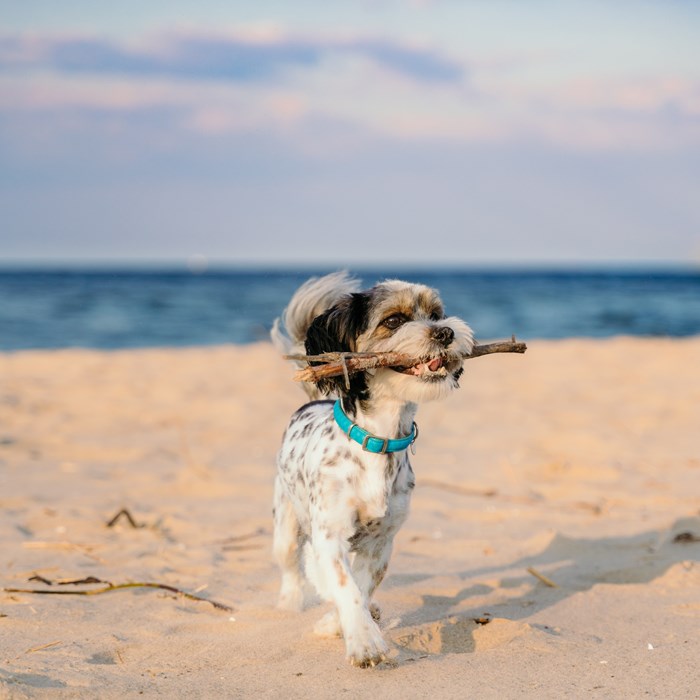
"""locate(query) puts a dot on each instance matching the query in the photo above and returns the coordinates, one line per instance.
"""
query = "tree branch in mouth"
(333, 364)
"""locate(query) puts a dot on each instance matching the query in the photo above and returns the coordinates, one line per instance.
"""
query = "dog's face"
(399, 317)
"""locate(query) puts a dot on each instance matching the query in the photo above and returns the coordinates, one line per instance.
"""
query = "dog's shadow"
(448, 624)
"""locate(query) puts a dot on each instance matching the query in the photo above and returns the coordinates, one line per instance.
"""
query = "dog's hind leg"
(287, 550)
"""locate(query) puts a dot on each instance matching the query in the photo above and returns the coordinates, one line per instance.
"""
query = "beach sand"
(579, 461)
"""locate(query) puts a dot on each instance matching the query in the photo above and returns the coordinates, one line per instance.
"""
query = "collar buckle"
(368, 437)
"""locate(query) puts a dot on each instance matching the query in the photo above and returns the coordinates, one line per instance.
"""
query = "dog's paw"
(368, 659)
(366, 647)
(328, 625)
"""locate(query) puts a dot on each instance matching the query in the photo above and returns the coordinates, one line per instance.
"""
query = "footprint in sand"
(459, 635)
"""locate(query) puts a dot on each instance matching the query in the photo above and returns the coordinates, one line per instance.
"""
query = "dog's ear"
(336, 330)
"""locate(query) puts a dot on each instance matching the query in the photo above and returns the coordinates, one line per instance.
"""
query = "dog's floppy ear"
(336, 330)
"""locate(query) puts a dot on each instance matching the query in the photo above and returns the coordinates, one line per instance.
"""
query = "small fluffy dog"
(344, 478)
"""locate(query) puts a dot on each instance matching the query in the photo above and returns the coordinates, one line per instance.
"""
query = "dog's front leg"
(364, 644)
(369, 569)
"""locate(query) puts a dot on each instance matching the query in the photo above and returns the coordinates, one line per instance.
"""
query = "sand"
(579, 461)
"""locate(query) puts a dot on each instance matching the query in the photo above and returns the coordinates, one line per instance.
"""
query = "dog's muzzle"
(443, 335)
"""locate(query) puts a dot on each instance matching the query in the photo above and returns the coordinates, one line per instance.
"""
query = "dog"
(344, 478)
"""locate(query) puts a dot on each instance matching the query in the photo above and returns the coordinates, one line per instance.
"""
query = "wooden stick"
(334, 364)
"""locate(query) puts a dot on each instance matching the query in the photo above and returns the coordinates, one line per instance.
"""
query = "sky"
(376, 132)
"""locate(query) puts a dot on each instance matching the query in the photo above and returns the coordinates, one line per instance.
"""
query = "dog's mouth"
(431, 369)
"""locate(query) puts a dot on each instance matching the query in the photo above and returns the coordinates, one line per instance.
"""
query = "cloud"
(237, 58)
(251, 82)
(411, 62)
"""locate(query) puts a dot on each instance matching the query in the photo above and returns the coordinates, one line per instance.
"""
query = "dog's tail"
(315, 296)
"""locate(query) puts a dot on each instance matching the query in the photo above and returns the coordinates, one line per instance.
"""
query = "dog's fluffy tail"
(311, 299)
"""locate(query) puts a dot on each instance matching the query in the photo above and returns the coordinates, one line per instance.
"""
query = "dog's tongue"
(432, 366)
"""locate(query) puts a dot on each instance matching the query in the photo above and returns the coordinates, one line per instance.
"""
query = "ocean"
(110, 309)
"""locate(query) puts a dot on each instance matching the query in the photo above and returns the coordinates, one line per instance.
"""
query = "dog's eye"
(437, 316)
(394, 321)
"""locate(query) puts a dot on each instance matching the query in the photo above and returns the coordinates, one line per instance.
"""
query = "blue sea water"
(140, 308)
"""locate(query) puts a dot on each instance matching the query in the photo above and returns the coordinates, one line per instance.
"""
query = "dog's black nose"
(443, 335)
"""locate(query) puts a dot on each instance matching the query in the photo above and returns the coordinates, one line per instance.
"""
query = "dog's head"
(394, 316)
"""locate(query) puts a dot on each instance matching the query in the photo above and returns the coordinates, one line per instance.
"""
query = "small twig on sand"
(462, 490)
(236, 543)
(125, 513)
(685, 538)
(109, 587)
(249, 535)
(42, 647)
(541, 577)
(333, 364)
(65, 582)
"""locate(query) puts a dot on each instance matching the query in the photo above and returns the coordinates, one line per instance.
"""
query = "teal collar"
(369, 442)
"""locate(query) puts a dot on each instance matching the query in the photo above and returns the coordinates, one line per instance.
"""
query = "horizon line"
(202, 265)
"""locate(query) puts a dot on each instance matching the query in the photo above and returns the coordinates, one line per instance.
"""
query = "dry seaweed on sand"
(108, 587)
